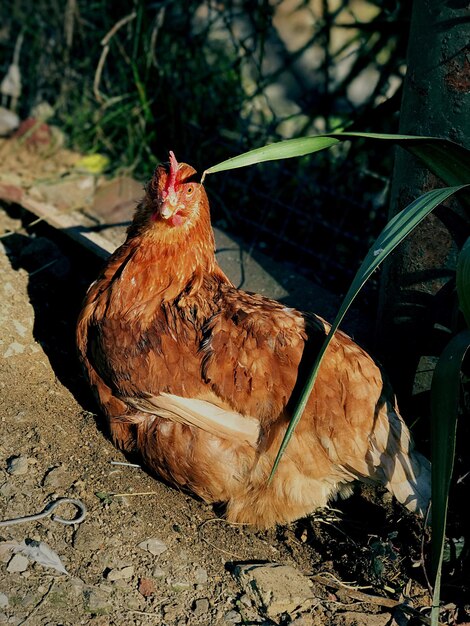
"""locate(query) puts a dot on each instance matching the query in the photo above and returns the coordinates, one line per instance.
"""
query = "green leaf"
(444, 158)
(105, 497)
(392, 235)
(445, 398)
(275, 151)
(463, 280)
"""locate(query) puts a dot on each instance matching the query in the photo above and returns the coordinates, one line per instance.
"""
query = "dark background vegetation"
(209, 80)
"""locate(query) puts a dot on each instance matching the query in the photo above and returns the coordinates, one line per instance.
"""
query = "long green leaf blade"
(275, 151)
(444, 158)
(392, 235)
(445, 395)
(463, 281)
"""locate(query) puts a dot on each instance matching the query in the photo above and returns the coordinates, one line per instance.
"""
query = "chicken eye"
(189, 190)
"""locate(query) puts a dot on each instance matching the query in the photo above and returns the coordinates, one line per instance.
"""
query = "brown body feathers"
(197, 375)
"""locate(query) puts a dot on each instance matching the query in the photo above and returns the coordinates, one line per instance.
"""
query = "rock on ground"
(280, 588)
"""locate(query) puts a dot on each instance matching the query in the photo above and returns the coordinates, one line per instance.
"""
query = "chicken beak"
(166, 211)
(169, 206)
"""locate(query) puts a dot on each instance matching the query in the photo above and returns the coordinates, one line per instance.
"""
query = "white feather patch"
(214, 419)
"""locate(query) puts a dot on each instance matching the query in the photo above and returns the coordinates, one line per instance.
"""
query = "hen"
(199, 376)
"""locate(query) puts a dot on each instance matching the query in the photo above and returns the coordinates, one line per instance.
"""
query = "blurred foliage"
(209, 80)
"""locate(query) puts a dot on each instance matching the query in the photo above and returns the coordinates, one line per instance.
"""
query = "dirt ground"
(156, 555)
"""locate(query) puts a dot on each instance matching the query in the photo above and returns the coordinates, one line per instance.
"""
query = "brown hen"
(199, 376)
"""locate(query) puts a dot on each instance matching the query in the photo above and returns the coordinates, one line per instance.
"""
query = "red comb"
(171, 180)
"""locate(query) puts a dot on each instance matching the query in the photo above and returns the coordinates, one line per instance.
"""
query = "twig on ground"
(158, 23)
(119, 24)
(125, 464)
(371, 599)
(43, 267)
(137, 493)
(22, 228)
(104, 53)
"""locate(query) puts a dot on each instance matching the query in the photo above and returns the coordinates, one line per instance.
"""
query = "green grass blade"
(392, 235)
(463, 281)
(445, 395)
(444, 158)
(275, 151)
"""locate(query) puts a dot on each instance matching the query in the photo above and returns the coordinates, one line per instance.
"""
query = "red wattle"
(176, 219)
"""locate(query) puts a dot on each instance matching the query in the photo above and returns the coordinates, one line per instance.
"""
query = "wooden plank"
(72, 223)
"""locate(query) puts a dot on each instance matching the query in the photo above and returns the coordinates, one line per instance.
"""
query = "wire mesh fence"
(209, 80)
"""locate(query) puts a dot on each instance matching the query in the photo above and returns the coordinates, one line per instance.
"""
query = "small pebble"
(122, 585)
(158, 572)
(180, 585)
(57, 477)
(18, 563)
(3, 601)
(18, 465)
(201, 606)
(245, 600)
(8, 488)
(146, 587)
(183, 556)
(201, 576)
(153, 545)
(121, 574)
(233, 617)
(14, 348)
(76, 586)
(98, 602)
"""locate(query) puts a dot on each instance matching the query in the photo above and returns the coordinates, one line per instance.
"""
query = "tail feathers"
(203, 414)
(409, 480)
(398, 466)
